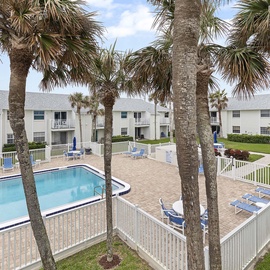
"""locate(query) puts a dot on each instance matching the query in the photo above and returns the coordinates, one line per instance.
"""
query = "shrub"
(244, 138)
(120, 138)
(10, 147)
(237, 154)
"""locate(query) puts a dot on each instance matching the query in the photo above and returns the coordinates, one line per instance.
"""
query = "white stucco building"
(244, 116)
(50, 118)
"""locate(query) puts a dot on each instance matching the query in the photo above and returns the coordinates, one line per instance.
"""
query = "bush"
(244, 138)
(120, 138)
(10, 147)
(237, 154)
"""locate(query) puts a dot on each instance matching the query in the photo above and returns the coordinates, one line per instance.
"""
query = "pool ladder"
(102, 191)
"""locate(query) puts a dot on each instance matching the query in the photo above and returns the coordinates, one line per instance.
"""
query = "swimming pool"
(58, 189)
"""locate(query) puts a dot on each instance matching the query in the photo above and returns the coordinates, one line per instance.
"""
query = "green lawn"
(264, 264)
(88, 258)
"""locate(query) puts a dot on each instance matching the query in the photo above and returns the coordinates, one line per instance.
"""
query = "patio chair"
(70, 155)
(263, 191)
(128, 153)
(177, 222)
(244, 206)
(7, 164)
(81, 154)
(140, 154)
(165, 211)
(33, 163)
(254, 199)
(204, 226)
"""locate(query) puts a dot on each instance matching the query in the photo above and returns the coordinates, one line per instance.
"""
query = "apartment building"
(49, 117)
(244, 116)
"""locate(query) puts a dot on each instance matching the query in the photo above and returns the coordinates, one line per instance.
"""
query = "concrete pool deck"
(150, 180)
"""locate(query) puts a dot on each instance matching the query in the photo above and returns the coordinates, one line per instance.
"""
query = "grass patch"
(251, 147)
(88, 258)
(263, 264)
(254, 157)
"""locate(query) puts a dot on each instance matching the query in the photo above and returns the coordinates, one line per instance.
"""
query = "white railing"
(79, 228)
(142, 121)
(62, 124)
(245, 243)
(257, 174)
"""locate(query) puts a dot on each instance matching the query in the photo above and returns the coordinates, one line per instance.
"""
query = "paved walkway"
(150, 180)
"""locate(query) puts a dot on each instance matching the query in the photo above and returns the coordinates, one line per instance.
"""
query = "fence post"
(206, 258)
(256, 234)
(136, 226)
(218, 165)
(233, 167)
(48, 153)
(149, 150)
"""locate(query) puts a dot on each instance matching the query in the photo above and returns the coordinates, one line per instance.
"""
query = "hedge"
(244, 138)
(122, 138)
(10, 147)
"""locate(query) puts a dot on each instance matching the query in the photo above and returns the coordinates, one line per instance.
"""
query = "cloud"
(132, 22)
(107, 4)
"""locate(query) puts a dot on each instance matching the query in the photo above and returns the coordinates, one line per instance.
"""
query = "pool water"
(54, 187)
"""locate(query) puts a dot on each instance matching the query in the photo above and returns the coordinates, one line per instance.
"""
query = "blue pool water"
(55, 188)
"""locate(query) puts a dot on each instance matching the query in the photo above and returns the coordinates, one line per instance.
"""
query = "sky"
(128, 22)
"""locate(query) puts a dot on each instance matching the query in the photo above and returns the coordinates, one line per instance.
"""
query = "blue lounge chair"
(128, 153)
(263, 191)
(177, 222)
(254, 199)
(244, 206)
(33, 163)
(165, 210)
(7, 164)
(140, 154)
(81, 154)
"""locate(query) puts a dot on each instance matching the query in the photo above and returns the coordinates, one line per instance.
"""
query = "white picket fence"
(77, 229)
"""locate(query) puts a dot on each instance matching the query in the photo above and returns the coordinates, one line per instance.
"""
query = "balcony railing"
(142, 121)
(62, 124)
(214, 120)
(164, 121)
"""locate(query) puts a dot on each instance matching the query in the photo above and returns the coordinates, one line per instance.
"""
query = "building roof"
(50, 101)
(39, 101)
(136, 105)
(257, 102)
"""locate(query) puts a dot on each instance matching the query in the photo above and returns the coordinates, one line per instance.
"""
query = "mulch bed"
(109, 265)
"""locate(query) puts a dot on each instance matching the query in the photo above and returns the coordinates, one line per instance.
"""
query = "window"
(123, 114)
(38, 115)
(166, 115)
(265, 130)
(39, 136)
(235, 113)
(124, 131)
(7, 115)
(137, 115)
(10, 138)
(265, 113)
(236, 129)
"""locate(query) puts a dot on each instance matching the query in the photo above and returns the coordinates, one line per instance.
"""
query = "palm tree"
(219, 101)
(106, 82)
(57, 38)
(95, 112)
(79, 101)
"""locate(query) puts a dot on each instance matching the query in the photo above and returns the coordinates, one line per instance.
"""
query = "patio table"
(178, 208)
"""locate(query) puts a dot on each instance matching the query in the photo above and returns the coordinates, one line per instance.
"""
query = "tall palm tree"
(95, 112)
(57, 38)
(79, 101)
(107, 81)
(219, 101)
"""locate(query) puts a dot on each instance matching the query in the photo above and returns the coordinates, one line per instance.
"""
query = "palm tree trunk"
(220, 124)
(155, 119)
(80, 123)
(20, 61)
(186, 24)
(108, 104)
(171, 122)
(209, 163)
